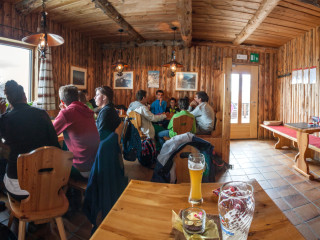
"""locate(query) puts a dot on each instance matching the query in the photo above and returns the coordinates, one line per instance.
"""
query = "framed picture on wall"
(79, 77)
(153, 79)
(186, 81)
(123, 82)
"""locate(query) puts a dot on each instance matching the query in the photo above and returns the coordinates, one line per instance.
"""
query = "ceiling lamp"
(173, 64)
(119, 65)
(42, 38)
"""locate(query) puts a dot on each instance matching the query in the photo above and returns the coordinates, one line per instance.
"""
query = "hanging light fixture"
(173, 64)
(119, 65)
(42, 38)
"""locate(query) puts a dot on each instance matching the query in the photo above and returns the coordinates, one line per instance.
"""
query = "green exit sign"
(254, 57)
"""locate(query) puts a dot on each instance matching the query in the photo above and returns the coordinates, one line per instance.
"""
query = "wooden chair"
(182, 124)
(42, 172)
(181, 161)
(137, 121)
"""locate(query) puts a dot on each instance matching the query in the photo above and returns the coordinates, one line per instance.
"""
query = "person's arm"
(60, 123)
(164, 106)
(52, 135)
(153, 107)
(196, 112)
(144, 111)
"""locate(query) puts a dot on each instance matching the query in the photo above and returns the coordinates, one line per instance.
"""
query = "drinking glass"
(196, 164)
(194, 220)
(236, 207)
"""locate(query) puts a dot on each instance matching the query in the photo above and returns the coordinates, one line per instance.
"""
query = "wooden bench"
(286, 136)
(215, 138)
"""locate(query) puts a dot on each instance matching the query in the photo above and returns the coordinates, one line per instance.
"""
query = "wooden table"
(143, 211)
(303, 131)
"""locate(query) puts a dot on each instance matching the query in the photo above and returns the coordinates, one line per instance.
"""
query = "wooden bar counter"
(144, 212)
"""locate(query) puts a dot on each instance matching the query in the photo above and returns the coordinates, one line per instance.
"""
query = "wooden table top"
(303, 127)
(143, 211)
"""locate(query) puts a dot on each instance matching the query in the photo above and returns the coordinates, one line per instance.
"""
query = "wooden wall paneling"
(300, 101)
(202, 73)
(227, 109)
(206, 60)
(261, 132)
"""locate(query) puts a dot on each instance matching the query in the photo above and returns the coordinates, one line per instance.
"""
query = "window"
(16, 64)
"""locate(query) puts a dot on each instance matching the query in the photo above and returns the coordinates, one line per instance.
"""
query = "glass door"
(244, 96)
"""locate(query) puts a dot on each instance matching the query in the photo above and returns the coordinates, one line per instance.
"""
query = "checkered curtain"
(46, 97)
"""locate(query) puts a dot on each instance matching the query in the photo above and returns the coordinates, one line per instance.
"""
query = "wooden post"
(184, 13)
(227, 69)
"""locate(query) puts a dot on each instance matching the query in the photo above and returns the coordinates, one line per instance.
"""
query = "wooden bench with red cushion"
(286, 135)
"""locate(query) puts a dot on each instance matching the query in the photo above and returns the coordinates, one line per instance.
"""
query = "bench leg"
(301, 164)
(282, 141)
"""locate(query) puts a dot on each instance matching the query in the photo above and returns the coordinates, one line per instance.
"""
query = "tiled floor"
(296, 196)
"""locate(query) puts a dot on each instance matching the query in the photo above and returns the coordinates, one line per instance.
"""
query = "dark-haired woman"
(108, 119)
(24, 129)
(183, 105)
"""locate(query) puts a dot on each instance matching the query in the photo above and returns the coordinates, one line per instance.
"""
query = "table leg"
(282, 141)
(301, 164)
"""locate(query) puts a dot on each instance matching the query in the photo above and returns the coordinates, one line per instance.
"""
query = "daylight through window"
(16, 64)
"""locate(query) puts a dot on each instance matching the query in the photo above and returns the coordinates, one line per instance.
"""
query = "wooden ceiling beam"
(184, 12)
(25, 7)
(265, 8)
(150, 43)
(312, 2)
(111, 12)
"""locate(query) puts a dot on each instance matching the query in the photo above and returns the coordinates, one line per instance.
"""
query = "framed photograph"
(186, 81)
(123, 82)
(153, 79)
(79, 77)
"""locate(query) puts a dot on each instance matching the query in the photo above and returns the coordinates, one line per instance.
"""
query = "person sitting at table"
(172, 108)
(91, 101)
(108, 119)
(183, 105)
(159, 105)
(83, 99)
(147, 116)
(23, 129)
(203, 113)
(79, 129)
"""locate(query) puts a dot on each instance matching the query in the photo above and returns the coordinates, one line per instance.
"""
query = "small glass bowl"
(194, 220)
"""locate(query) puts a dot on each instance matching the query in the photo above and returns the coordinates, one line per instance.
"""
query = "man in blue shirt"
(159, 106)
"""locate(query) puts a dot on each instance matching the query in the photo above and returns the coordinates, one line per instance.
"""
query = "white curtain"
(46, 97)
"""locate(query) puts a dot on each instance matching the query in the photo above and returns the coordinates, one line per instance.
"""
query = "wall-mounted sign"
(242, 56)
(254, 57)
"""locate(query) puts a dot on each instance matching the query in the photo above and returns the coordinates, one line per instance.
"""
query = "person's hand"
(62, 106)
(2, 106)
(193, 103)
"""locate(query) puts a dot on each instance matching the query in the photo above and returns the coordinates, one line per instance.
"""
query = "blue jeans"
(161, 135)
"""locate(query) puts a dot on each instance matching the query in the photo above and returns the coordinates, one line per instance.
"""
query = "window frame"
(34, 60)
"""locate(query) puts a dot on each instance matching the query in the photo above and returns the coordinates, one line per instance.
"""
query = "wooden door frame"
(256, 73)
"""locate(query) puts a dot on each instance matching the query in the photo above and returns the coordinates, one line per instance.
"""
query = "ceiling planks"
(211, 20)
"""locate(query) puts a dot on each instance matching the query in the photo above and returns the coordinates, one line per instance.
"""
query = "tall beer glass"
(236, 208)
(196, 164)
